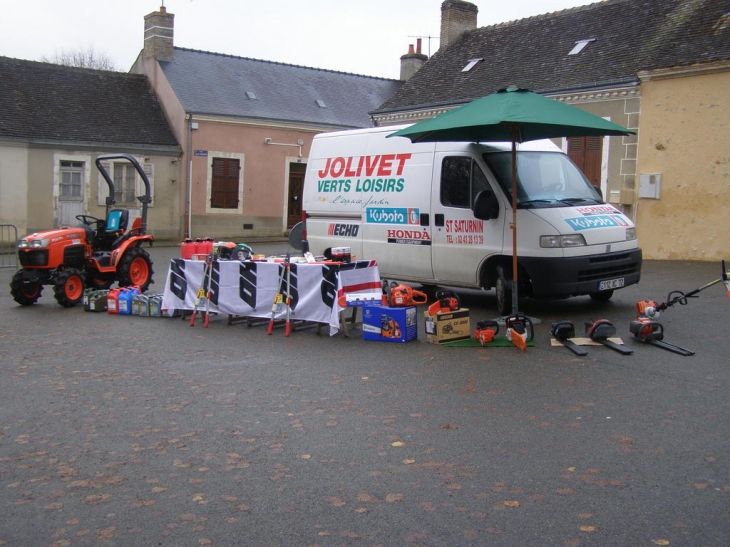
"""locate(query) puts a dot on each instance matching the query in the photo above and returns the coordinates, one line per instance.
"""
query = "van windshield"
(544, 179)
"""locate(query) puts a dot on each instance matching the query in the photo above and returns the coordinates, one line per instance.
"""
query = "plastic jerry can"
(99, 301)
(126, 296)
(187, 249)
(155, 305)
(112, 301)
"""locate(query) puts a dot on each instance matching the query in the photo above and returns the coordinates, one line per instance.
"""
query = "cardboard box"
(452, 326)
(387, 324)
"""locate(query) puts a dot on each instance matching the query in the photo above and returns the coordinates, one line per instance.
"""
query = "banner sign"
(248, 289)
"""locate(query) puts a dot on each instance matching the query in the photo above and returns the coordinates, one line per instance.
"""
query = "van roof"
(537, 145)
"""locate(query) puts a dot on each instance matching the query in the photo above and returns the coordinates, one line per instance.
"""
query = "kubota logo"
(343, 230)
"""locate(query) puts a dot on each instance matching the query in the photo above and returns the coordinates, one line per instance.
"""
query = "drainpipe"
(188, 181)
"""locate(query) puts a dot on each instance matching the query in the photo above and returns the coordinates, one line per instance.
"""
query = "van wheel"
(503, 289)
(603, 296)
(69, 288)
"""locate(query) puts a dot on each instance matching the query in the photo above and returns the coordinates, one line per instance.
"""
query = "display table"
(248, 289)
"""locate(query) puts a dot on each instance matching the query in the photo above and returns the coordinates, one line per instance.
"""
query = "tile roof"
(629, 36)
(49, 102)
(216, 84)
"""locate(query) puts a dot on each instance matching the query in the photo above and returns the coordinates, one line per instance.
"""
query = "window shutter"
(224, 184)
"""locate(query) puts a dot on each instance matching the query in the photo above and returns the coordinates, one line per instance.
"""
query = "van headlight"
(630, 234)
(556, 242)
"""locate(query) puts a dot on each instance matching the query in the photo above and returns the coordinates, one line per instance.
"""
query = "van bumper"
(563, 277)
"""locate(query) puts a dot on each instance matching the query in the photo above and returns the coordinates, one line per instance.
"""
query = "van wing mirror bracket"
(486, 205)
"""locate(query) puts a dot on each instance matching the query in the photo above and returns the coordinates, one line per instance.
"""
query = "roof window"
(471, 64)
(580, 46)
(320, 103)
(251, 95)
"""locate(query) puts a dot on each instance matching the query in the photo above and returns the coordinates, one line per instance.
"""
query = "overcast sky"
(361, 37)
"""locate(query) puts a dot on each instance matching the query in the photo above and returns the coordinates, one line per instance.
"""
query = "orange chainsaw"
(404, 295)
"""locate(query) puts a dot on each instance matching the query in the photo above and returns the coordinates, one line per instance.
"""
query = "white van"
(440, 214)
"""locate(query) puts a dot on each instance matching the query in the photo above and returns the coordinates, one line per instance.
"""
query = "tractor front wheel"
(24, 292)
(68, 288)
(135, 269)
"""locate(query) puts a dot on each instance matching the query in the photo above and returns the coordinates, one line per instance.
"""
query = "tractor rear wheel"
(97, 282)
(135, 269)
(25, 293)
(68, 288)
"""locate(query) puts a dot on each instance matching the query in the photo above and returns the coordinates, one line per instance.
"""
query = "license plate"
(611, 284)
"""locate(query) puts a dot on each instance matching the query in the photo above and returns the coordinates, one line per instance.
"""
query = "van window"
(461, 180)
(544, 179)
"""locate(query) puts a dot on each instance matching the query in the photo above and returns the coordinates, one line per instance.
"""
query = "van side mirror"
(486, 205)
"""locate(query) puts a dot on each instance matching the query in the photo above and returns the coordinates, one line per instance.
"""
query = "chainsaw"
(404, 295)
(519, 330)
(446, 301)
(486, 331)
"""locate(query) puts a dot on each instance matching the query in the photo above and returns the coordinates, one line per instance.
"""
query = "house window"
(72, 176)
(124, 183)
(225, 183)
(461, 181)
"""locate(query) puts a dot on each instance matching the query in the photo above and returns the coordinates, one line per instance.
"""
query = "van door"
(397, 224)
(460, 241)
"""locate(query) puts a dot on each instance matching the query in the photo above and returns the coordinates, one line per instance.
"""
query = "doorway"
(294, 201)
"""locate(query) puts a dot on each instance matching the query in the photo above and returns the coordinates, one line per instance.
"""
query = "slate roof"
(630, 36)
(49, 102)
(216, 84)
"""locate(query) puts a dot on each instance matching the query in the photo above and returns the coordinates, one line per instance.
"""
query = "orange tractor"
(95, 253)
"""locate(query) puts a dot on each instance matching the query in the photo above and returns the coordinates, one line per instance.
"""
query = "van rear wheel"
(503, 289)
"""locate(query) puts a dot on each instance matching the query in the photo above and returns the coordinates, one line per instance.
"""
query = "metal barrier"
(8, 246)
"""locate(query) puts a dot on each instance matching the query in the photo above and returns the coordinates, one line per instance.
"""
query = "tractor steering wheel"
(88, 219)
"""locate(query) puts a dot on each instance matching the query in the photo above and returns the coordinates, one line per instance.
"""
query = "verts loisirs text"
(440, 214)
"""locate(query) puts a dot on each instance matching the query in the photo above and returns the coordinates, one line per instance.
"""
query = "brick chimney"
(412, 61)
(457, 17)
(159, 27)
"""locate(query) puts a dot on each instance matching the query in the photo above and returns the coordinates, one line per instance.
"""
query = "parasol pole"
(515, 133)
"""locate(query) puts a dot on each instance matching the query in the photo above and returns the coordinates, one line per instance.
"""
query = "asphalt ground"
(133, 431)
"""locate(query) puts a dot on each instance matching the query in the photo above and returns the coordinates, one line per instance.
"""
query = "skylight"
(320, 103)
(471, 64)
(580, 45)
(251, 95)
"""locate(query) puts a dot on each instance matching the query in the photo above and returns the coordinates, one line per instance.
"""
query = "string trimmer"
(647, 329)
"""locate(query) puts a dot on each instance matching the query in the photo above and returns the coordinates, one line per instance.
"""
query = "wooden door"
(294, 207)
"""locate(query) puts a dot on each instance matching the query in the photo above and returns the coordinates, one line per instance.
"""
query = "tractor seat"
(113, 228)
(117, 220)
(134, 230)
